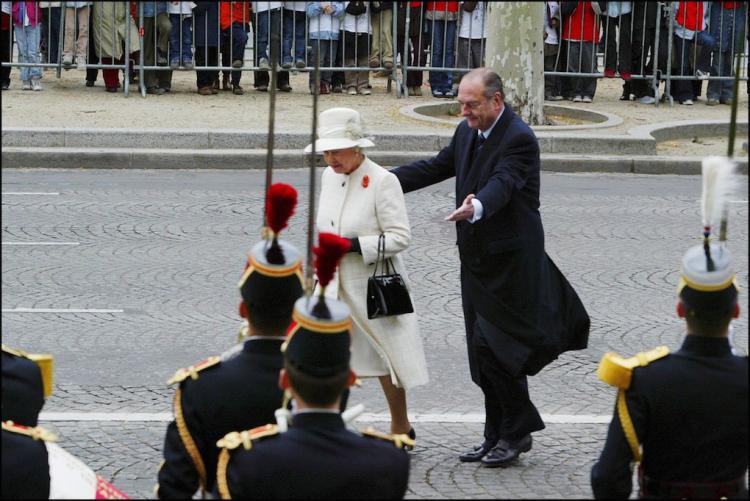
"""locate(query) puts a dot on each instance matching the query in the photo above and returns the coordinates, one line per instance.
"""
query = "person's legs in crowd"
(238, 42)
(682, 89)
(337, 76)
(6, 42)
(438, 79)
(91, 57)
(205, 79)
(287, 38)
(300, 45)
(551, 82)
(363, 55)
(575, 66)
(588, 65)
(381, 52)
(149, 56)
(324, 50)
(609, 25)
(51, 33)
(163, 28)
(71, 21)
(83, 37)
(110, 75)
(263, 26)
(350, 60)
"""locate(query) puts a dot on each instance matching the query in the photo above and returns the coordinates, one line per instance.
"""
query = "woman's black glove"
(355, 246)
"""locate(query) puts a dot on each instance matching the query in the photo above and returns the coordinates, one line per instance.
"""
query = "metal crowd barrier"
(446, 43)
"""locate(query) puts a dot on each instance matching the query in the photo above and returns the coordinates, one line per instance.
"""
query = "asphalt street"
(127, 275)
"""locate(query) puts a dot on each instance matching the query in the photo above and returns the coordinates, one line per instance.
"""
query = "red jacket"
(443, 6)
(233, 12)
(581, 25)
(690, 15)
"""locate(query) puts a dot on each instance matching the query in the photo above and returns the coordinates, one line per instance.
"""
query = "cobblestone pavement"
(167, 247)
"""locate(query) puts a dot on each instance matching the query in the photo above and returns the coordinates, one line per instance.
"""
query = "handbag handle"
(385, 268)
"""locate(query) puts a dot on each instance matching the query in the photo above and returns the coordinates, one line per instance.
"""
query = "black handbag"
(386, 293)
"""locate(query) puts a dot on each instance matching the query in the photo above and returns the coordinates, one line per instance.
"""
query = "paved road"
(158, 254)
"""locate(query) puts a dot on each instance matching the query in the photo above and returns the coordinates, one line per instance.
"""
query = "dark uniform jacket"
(318, 458)
(25, 467)
(689, 410)
(239, 393)
(23, 392)
(506, 275)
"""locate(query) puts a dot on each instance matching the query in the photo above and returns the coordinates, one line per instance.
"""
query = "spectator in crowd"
(269, 21)
(50, 41)
(726, 23)
(156, 29)
(112, 23)
(472, 39)
(646, 17)
(76, 20)
(337, 76)
(356, 47)
(581, 31)
(92, 58)
(689, 33)
(417, 48)
(441, 23)
(617, 32)
(6, 42)
(323, 32)
(181, 35)
(552, 90)
(381, 52)
(234, 19)
(293, 42)
(206, 46)
(27, 17)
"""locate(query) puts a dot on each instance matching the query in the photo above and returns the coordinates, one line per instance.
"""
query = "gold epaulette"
(193, 370)
(245, 438)
(401, 440)
(35, 432)
(45, 363)
(618, 371)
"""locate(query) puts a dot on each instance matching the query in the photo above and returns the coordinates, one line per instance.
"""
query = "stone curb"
(130, 158)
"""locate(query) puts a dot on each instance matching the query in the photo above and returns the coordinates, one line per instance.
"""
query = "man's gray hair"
(491, 81)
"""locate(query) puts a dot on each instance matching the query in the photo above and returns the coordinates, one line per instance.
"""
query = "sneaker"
(237, 63)
(702, 75)
(67, 62)
(81, 63)
(712, 101)
(286, 65)
(188, 64)
(263, 64)
(36, 84)
(337, 88)
(558, 98)
(237, 90)
(687, 102)
(647, 100)
(365, 92)
(26, 85)
(175, 64)
(577, 99)
(609, 73)
(587, 99)
(352, 91)
(300, 64)
(437, 93)
(448, 93)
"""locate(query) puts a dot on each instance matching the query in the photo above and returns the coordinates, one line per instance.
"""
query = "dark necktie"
(478, 143)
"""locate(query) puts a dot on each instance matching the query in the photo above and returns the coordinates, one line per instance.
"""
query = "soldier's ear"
(351, 379)
(736, 310)
(680, 309)
(283, 379)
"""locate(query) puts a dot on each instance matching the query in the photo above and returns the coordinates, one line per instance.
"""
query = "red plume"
(328, 253)
(280, 205)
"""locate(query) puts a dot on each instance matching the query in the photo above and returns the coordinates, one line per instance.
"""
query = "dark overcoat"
(25, 467)
(531, 312)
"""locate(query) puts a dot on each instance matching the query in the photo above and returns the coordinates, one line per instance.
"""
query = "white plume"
(719, 184)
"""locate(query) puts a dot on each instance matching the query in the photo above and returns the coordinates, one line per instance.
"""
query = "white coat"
(364, 204)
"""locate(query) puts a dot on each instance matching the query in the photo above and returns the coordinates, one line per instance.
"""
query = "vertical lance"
(732, 135)
(313, 161)
(271, 118)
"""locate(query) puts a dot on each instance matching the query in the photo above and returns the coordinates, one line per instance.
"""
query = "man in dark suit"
(318, 457)
(519, 311)
(686, 411)
(240, 389)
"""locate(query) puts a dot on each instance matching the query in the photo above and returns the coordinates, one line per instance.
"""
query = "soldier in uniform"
(26, 380)
(217, 396)
(684, 415)
(318, 457)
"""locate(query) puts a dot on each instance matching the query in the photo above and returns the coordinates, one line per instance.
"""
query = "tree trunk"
(515, 50)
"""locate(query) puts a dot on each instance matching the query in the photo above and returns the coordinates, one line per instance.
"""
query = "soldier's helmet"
(318, 340)
(272, 280)
(708, 285)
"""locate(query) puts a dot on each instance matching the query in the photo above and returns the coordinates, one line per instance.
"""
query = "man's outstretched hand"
(466, 211)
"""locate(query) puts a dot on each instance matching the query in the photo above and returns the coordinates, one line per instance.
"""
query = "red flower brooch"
(365, 181)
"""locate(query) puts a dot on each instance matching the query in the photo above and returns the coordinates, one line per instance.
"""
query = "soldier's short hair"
(314, 390)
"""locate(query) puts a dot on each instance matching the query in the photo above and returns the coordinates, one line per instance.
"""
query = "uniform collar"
(263, 344)
(316, 419)
(706, 346)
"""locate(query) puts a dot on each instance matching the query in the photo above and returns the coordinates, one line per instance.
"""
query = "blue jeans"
(294, 30)
(180, 39)
(266, 21)
(27, 38)
(443, 53)
(328, 49)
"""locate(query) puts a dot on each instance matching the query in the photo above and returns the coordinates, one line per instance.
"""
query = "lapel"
(474, 168)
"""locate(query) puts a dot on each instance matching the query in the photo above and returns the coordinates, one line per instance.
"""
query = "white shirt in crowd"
(360, 23)
(184, 8)
(472, 23)
(298, 6)
(264, 6)
(552, 10)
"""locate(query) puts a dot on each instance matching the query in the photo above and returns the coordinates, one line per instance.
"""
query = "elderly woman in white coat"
(360, 200)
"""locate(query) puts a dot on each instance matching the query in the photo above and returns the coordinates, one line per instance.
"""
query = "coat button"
(343, 184)
(331, 223)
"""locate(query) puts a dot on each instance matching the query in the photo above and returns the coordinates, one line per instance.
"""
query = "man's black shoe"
(476, 453)
(504, 453)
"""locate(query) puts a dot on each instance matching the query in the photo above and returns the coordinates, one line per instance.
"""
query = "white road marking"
(738, 201)
(365, 417)
(61, 310)
(29, 193)
(41, 243)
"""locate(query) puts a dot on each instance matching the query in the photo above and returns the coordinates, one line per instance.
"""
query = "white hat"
(340, 128)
